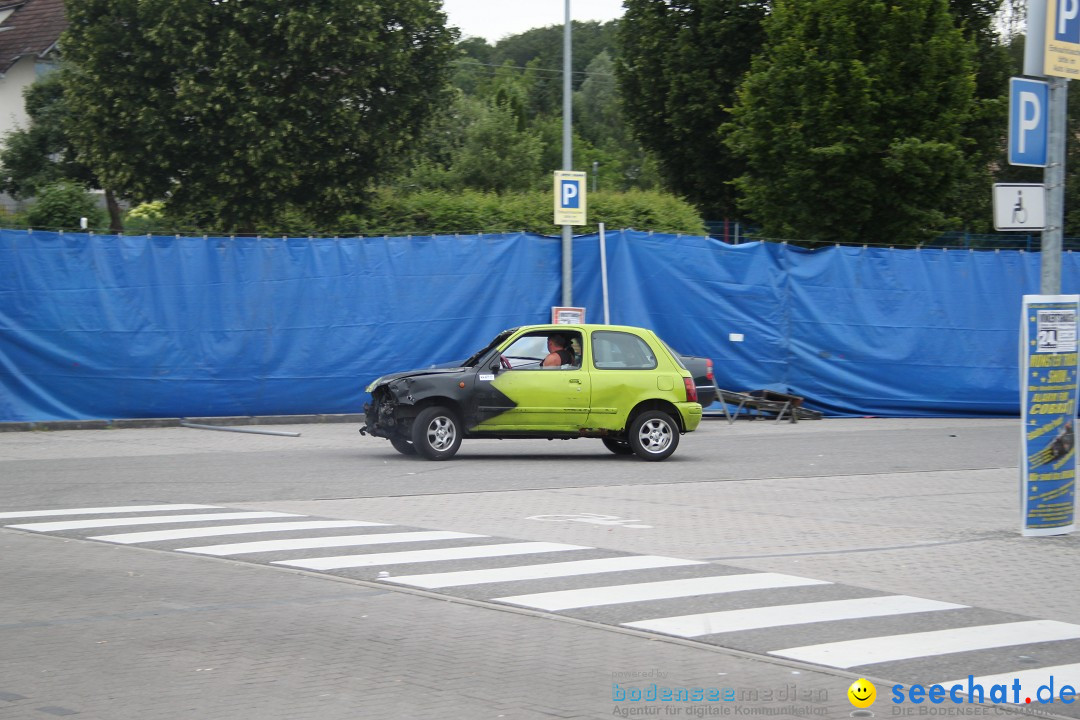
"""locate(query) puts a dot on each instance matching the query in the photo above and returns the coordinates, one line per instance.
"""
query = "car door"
(529, 397)
(627, 370)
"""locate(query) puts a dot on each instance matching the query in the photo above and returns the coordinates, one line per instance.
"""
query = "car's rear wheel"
(403, 446)
(619, 447)
(653, 435)
(436, 433)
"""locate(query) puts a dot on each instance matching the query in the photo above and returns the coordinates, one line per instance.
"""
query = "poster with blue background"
(1048, 391)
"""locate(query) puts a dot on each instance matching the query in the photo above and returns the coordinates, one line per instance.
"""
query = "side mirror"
(496, 366)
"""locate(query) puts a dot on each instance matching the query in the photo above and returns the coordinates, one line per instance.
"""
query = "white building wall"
(12, 112)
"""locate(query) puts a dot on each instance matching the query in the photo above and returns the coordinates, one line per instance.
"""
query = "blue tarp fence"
(102, 326)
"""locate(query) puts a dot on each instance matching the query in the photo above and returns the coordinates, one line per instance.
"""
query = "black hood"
(417, 373)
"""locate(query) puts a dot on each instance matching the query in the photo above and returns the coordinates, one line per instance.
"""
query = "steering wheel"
(505, 363)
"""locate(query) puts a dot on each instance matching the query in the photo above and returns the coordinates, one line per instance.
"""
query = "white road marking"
(101, 510)
(185, 533)
(687, 587)
(156, 520)
(539, 572)
(1030, 683)
(326, 542)
(868, 651)
(417, 556)
(780, 615)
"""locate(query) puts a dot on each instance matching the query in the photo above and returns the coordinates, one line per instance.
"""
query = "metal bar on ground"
(196, 426)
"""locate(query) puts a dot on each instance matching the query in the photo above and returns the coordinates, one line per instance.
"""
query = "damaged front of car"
(396, 399)
(432, 405)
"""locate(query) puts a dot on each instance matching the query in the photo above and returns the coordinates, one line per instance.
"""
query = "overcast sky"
(495, 19)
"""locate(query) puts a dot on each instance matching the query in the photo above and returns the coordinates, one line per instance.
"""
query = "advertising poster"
(567, 315)
(1048, 390)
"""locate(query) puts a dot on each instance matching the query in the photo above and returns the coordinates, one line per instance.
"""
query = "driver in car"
(559, 352)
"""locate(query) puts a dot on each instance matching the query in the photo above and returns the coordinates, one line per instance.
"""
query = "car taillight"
(691, 389)
(708, 369)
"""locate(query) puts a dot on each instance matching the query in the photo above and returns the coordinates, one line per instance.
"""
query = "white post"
(603, 272)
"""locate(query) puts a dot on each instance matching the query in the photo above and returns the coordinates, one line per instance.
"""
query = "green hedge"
(439, 212)
(471, 212)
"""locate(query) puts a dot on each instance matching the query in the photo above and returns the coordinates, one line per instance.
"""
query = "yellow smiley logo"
(862, 693)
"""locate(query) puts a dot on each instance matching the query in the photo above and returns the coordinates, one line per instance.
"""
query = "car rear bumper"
(690, 413)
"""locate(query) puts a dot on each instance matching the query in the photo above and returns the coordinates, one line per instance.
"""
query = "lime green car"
(620, 384)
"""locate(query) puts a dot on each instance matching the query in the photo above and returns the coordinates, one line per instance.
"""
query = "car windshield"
(475, 357)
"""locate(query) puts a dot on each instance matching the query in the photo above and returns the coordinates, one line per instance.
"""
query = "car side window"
(528, 352)
(614, 350)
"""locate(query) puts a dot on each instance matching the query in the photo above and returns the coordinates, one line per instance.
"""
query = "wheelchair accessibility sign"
(1019, 206)
(569, 198)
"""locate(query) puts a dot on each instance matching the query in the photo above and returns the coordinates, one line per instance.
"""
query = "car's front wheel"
(436, 433)
(653, 435)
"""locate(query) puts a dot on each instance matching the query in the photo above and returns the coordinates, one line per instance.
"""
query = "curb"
(128, 423)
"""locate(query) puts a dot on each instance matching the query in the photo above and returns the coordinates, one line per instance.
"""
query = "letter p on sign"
(1028, 101)
(1067, 28)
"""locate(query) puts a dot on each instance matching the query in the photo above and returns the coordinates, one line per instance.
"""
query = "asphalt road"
(335, 461)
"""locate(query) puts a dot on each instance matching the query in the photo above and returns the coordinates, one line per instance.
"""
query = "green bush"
(60, 206)
(436, 212)
(146, 217)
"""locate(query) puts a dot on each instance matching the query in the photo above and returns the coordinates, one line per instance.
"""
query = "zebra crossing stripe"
(416, 556)
(461, 578)
(156, 520)
(101, 510)
(1031, 681)
(779, 615)
(620, 594)
(187, 533)
(868, 651)
(326, 542)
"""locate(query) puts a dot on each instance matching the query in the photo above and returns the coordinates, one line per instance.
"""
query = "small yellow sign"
(569, 197)
(1062, 57)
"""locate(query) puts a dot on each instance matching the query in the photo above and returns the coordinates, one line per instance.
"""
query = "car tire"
(653, 435)
(436, 433)
(403, 446)
(619, 447)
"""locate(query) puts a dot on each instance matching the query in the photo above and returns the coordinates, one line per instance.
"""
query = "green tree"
(498, 154)
(232, 111)
(622, 163)
(487, 138)
(679, 63)
(38, 154)
(852, 121)
(979, 21)
(41, 154)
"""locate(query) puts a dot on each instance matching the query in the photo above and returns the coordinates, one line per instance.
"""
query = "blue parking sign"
(570, 192)
(1067, 21)
(1029, 101)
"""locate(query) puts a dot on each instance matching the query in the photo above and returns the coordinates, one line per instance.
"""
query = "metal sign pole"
(1054, 179)
(568, 164)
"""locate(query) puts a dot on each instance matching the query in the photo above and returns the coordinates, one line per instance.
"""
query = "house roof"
(32, 29)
